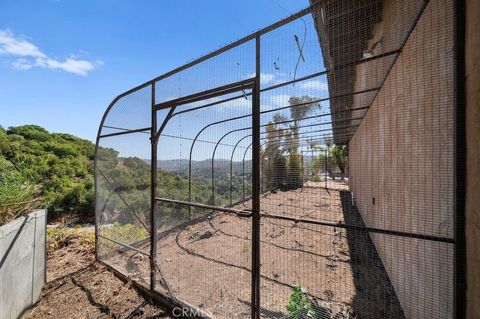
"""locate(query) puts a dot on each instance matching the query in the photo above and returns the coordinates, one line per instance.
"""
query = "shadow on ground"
(374, 289)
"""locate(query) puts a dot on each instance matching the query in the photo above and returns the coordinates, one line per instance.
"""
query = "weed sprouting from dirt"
(304, 306)
(300, 306)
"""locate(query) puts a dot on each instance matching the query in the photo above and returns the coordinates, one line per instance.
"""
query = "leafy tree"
(340, 154)
(295, 172)
(300, 108)
(318, 164)
(272, 147)
(280, 171)
(312, 144)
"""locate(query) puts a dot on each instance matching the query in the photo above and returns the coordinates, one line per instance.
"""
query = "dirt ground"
(78, 287)
(208, 263)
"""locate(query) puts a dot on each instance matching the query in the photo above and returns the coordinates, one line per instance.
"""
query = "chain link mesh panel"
(356, 170)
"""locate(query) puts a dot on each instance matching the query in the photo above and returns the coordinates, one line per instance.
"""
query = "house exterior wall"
(472, 222)
(402, 161)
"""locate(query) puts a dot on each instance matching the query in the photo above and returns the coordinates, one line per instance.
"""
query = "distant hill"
(203, 169)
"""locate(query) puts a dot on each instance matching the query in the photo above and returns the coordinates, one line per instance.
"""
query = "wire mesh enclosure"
(304, 171)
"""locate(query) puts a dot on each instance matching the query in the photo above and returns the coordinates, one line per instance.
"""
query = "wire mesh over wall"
(304, 171)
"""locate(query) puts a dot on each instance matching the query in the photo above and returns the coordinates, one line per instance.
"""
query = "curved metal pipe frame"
(262, 133)
(282, 142)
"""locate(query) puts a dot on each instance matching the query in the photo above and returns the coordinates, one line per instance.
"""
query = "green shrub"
(58, 167)
(31, 132)
(17, 193)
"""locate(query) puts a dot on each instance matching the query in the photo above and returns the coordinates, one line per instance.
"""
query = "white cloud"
(314, 85)
(265, 78)
(21, 64)
(30, 55)
(81, 67)
(18, 46)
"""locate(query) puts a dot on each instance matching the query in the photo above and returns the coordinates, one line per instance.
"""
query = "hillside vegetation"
(39, 169)
(47, 170)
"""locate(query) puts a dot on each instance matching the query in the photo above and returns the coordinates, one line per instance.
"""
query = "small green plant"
(300, 306)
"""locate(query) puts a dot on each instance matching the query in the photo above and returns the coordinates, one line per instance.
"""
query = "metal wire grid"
(315, 236)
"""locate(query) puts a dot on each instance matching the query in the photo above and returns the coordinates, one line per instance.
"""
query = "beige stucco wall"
(472, 47)
(402, 158)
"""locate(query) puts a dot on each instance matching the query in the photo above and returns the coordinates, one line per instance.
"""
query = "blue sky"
(62, 62)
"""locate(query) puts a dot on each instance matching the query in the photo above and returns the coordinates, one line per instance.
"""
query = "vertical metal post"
(97, 220)
(326, 162)
(213, 176)
(153, 188)
(326, 173)
(303, 170)
(255, 302)
(311, 162)
(460, 161)
(243, 171)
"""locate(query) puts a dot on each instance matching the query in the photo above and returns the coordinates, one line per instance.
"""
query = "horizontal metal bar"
(242, 213)
(361, 228)
(279, 138)
(304, 137)
(140, 130)
(117, 128)
(242, 96)
(283, 107)
(208, 94)
(198, 140)
(125, 245)
(321, 73)
(307, 77)
(230, 46)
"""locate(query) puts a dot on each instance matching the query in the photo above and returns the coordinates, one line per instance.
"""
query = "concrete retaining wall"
(22, 263)
(402, 164)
